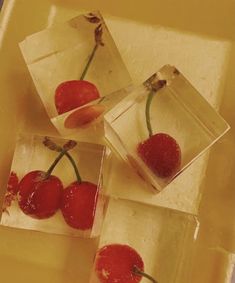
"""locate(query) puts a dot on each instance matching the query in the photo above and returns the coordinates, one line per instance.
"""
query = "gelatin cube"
(176, 110)
(30, 155)
(162, 237)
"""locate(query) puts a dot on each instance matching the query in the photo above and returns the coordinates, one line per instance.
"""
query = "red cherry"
(115, 264)
(12, 185)
(161, 153)
(78, 205)
(83, 116)
(39, 197)
(72, 94)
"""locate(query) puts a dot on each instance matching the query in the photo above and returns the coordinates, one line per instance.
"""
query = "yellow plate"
(34, 257)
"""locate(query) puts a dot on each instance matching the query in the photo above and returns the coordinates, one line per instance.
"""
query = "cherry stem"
(53, 165)
(89, 61)
(154, 86)
(147, 112)
(79, 179)
(137, 271)
(63, 152)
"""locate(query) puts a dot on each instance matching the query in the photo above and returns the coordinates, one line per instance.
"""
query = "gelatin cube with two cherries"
(74, 63)
(142, 238)
(55, 186)
(162, 126)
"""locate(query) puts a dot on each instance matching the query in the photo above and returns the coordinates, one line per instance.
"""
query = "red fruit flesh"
(39, 197)
(12, 185)
(78, 205)
(72, 94)
(83, 116)
(161, 153)
(115, 264)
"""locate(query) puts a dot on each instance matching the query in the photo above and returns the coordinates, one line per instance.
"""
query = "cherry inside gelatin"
(75, 93)
(39, 197)
(161, 153)
(78, 205)
(116, 262)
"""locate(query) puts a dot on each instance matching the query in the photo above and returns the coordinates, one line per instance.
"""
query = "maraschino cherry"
(75, 93)
(117, 263)
(40, 192)
(160, 151)
(78, 203)
(78, 200)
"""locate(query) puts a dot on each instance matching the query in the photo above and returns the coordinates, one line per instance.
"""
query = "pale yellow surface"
(35, 257)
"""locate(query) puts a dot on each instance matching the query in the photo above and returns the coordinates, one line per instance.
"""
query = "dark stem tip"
(98, 35)
(51, 145)
(92, 18)
(158, 85)
(69, 145)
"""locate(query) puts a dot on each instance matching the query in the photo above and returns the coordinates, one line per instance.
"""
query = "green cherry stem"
(62, 151)
(89, 61)
(98, 41)
(154, 87)
(79, 179)
(137, 271)
(53, 165)
(147, 112)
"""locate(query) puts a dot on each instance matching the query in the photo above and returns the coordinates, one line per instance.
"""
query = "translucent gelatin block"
(74, 63)
(55, 186)
(163, 240)
(162, 126)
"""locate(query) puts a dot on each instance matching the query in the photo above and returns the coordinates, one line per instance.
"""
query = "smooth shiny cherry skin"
(39, 197)
(83, 116)
(75, 93)
(161, 153)
(78, 205)
(115, 264)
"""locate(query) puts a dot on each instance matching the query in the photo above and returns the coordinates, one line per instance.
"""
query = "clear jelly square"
(74, 63)
(162, 126)
(158, 241)
(66, 199)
